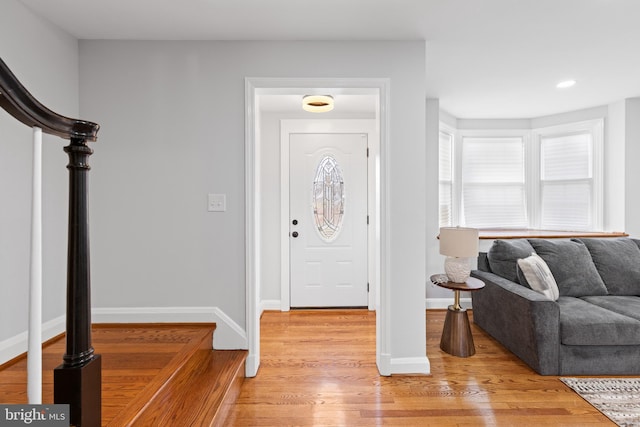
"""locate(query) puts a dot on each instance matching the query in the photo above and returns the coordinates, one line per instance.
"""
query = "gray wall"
(172, 116)
(632, 172)
(45, 60)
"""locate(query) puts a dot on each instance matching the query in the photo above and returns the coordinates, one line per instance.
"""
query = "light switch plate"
(217, 203)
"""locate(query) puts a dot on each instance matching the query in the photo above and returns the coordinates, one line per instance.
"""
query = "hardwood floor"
(318, 369)
(139, 365)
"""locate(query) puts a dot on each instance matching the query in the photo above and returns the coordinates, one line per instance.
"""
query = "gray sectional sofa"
(593, 328)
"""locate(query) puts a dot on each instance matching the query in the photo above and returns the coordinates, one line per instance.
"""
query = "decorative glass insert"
(328, 198)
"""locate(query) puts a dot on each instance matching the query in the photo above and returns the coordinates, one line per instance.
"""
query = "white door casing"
(328, 266)
(379, 277)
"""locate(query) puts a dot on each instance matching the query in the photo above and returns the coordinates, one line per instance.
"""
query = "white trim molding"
(388, 365)
(410, 365)
(594, 128)
(270, 304)
(252, 208)
(228, 335)
(15, 346)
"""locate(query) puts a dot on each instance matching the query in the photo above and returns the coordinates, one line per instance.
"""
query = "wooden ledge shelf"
(492, 234)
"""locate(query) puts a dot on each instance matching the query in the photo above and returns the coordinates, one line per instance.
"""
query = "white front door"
(328, 220)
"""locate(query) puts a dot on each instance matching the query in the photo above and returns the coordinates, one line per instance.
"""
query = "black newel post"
(78, 380)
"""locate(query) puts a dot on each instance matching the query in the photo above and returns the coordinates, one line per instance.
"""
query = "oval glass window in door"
(328, 198)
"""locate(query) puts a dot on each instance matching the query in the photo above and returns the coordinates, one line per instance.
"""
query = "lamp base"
(458, 270)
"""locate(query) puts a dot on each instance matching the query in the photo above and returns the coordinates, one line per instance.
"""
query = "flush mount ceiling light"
(317, 103)
(565, 84)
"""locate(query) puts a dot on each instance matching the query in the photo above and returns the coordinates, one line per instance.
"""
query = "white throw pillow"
(537, 273)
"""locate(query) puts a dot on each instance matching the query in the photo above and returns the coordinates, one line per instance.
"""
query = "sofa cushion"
(504, 254)
(538, 276)
(625, 305)
(617, 262)
(571, 266)
(583, 323)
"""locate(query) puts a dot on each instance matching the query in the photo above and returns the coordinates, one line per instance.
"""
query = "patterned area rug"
(617, 398)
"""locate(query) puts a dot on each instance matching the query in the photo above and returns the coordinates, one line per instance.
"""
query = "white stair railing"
(34, 354)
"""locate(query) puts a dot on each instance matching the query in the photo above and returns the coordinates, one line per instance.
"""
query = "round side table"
(456, 335)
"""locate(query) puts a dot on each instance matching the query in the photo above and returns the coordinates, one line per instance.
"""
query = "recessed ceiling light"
(317, 103)
(565, 84)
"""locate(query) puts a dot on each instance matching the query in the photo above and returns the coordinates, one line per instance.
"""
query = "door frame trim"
(252, 209)
(328, 126)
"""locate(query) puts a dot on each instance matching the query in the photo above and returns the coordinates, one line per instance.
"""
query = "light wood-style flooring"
(318, 369)
(152, 375)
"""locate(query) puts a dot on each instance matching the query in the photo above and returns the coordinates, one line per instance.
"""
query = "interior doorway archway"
(254, 233)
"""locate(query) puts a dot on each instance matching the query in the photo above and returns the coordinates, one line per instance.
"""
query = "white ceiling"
(484, 58)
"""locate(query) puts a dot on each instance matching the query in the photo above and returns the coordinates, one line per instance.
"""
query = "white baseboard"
(251, 366)
(228, 335)
(403, 365)
(430, 303)
(383, 362)
(270, 304)
(410, 365)
(19, 344)
(443, 303)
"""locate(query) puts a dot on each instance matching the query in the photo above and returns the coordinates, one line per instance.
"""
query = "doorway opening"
(263, 197)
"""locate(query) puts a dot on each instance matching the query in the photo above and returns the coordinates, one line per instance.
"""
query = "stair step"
(196, 387)
(200, 394)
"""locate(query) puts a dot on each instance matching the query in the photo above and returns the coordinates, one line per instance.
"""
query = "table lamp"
(458, 244)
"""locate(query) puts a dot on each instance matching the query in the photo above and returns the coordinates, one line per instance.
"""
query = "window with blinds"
(445, 189)
(566, 182)
(547, 178)
(493, 183)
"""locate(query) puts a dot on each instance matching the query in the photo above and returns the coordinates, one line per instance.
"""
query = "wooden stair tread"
(196, 387)
(150, 371)
(202, 340)
(200, 393)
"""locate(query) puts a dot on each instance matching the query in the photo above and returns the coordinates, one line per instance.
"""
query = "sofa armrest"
(524, 321)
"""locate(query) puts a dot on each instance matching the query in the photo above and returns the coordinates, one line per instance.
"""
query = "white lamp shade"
(459, 242)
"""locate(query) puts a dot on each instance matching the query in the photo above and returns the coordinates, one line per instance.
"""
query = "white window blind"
(566, 182)
(493, 182)
(445, 192)
(548, 178)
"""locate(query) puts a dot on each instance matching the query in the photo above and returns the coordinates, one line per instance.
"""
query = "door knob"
(294, 234)
(294, 222)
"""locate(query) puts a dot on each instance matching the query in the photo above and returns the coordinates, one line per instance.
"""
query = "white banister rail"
(34, 355)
